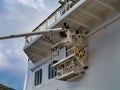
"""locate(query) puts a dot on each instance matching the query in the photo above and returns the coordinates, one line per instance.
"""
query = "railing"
(51, 19)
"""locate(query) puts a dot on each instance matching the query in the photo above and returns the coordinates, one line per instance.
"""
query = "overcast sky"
(18, 16)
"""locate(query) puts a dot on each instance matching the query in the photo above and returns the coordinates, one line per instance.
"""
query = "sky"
(19, 16)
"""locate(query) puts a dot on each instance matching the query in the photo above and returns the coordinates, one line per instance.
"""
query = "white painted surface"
(104, 65)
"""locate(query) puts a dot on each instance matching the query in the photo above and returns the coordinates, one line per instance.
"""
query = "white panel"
(104, 64)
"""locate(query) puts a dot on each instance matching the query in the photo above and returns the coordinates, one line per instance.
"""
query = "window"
(51, 71)
(38, 77)
(62, 53)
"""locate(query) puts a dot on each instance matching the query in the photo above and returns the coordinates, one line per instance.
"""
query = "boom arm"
(31, 33)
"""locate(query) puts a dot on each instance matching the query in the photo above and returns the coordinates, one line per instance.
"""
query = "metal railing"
(51, 19)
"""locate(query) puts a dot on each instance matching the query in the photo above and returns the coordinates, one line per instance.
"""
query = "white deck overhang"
(83, 15)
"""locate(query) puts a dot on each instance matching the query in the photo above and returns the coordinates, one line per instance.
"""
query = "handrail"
(47, 18)
(56, 15)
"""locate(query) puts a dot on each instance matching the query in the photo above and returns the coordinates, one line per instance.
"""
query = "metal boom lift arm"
(31, 33)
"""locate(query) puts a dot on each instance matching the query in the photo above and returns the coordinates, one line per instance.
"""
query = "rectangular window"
(62, 53)
(38, 77)
(51, 71)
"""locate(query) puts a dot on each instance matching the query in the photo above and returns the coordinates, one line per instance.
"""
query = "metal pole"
(31, 33)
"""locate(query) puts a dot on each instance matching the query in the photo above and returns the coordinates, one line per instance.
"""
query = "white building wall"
(104, 59)
(104, 64)
(29, 80)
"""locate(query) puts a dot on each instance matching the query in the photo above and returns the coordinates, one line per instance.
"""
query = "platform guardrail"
(51, 19)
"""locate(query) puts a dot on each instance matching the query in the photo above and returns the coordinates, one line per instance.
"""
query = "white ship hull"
(104, 65)
(103, 61)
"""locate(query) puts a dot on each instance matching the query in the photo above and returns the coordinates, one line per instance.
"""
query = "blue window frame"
(51, 71)
(38, 77)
